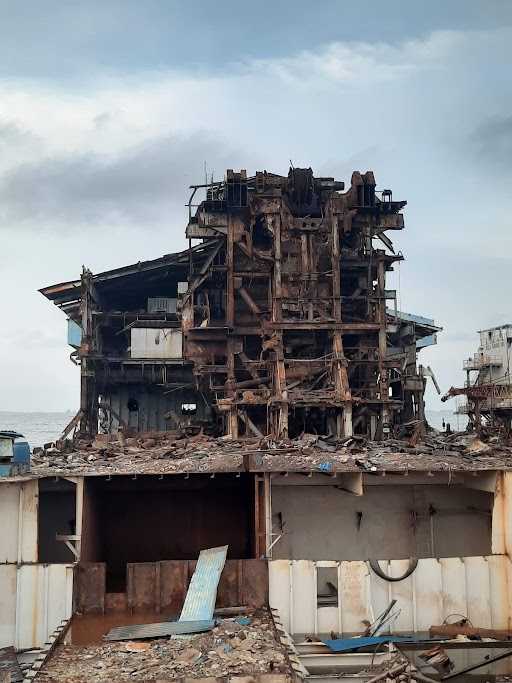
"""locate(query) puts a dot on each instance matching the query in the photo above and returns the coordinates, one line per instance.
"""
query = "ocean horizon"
(37, 427)
(41, 427)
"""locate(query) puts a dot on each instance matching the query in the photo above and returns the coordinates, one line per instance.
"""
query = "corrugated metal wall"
(152, 407)
(477, 587)
(34, 599)
(18, 516)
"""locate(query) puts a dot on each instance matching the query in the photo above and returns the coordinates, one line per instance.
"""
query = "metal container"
(14, 454)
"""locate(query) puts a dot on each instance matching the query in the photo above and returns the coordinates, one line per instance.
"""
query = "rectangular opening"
(57, 516)
(327, 586)
(151, 518)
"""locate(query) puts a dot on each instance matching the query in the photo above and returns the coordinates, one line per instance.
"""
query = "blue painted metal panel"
(202, 592)
(74, 334)
(348, 644)
(14, 454)
(426, 341)
(411, 317)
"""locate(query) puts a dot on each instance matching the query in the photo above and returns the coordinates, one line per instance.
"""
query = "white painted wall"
(149, 342)
(18, 515)
(477, 587)
(494, 344)
(502, 515)
(34, 600)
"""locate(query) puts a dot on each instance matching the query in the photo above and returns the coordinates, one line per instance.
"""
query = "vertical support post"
(88, 393)
(281, 393)
(267, 485)
(478, 415)
(230, 390)
(230, 278)
(79, 506)
(261, 514)
(230, 323)
(341, 384)
(383, 373)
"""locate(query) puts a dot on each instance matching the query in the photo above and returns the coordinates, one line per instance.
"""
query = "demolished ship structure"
(274, 322)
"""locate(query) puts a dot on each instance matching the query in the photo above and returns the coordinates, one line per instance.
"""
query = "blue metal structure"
(74, 334)
(14, 454)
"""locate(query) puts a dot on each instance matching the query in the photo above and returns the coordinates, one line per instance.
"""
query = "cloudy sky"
(109, 109)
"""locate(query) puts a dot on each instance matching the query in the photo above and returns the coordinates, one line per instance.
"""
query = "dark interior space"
(57, 515)
(150, 518)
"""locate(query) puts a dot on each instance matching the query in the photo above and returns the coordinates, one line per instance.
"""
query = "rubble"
(230, 648)
(171, 452)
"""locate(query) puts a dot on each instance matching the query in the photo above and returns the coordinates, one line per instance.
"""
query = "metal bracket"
(67, 538)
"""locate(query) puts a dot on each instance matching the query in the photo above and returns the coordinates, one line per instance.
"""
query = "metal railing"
(479, 361)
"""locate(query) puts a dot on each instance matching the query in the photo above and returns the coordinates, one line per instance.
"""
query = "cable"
(413, 563)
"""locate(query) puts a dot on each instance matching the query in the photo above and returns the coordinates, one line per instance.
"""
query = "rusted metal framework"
(279, 312)
(491, 401)
(302, 335)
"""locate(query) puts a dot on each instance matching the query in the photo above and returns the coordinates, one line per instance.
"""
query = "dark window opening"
(261, 236)
(327, 586)
(150, 519)
(309, 420)
(132, 405)
(57, 515)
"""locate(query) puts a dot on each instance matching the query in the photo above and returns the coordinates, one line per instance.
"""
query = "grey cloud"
(65, 39)
(13, 136)
(491, 142)
(142, 184)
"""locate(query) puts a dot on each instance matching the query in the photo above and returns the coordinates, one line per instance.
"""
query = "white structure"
(492, 360)
(35, 596)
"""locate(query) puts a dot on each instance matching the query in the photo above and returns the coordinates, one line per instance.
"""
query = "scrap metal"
(280, 314)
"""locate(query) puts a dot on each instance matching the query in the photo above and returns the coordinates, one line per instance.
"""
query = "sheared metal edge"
(287, 642)
(159, 629)
(202, 592)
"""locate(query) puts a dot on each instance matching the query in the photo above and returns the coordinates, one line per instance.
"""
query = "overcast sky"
(110, 109)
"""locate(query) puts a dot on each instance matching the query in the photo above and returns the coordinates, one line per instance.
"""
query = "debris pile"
(168, 452)
(146, 452)
(247, 645)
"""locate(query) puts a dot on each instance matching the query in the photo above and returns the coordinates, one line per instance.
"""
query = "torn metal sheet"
(158, 630)
(202, 592)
